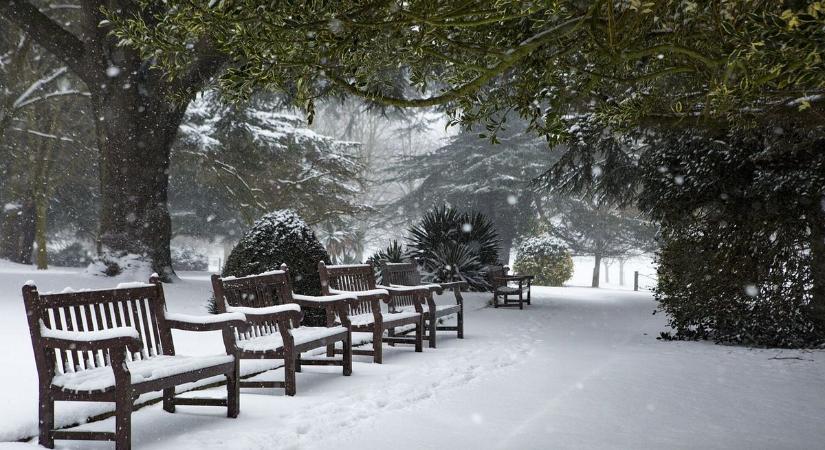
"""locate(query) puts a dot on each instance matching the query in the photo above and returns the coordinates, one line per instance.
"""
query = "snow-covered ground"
(580, 368)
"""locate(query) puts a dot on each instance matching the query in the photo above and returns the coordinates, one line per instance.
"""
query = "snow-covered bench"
(504, 285)
(406, 274)
(366, 314)
(274, 316)
(112, 345)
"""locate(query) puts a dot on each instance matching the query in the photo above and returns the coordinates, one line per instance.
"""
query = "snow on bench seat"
(367, 293)
(438, 308)
(366, 319)
(156, 367)
(301, 335)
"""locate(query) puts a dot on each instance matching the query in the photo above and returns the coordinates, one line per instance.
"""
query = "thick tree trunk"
(596, 267)
(816, 221)
(135, 136)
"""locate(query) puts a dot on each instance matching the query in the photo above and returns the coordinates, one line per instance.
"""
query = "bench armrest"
(321, 301)
(372, 294)
(453, 284)
(275, 313)
(206, 322)
(120, 337)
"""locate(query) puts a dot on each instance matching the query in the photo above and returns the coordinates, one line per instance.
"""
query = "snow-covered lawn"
(580, 368)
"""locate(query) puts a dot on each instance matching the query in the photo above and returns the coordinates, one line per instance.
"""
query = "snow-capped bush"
(281, 237)
(188, 259)
(72, 255)
(453, 245)
(543, 257)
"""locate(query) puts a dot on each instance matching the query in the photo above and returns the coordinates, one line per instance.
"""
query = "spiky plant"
(464, 241)
(393, 253)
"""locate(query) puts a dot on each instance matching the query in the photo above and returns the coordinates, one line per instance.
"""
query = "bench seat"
(141, 371)
(301, 335)
(361, 320)
(440, 310)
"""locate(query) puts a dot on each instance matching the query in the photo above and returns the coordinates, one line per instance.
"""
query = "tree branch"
(46, 32)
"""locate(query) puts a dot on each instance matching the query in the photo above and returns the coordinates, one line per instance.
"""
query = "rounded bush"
(544, 258)
(281, 237)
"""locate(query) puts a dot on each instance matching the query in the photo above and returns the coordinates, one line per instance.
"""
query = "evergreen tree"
(472, 172)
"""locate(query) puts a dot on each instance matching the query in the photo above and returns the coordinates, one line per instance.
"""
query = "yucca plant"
(454, 245)
(393, 253)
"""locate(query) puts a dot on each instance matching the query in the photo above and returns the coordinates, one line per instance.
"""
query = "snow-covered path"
(580, 368)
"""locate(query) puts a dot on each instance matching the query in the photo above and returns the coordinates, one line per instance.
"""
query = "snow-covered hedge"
(277, 238)
(543, 257)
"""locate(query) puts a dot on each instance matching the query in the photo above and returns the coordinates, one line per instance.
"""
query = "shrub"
(544, 258)
(394, 253)
(189, 259)
(453, 245)
(73, 255)
(281, 237)
(738, 213)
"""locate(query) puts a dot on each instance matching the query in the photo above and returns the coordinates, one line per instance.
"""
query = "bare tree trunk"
(596, 268)
(622, 261)
(607, 264)
(17, 232)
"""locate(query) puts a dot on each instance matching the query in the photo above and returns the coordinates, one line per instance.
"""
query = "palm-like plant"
(455, 245)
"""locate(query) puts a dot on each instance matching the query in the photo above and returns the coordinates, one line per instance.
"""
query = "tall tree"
(470, 172)
(135, 115)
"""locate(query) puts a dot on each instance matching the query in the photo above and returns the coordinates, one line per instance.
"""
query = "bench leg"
(330, 350)
(391, 333)
(233, 391)
(528, 296)
(377, 337)
(419, 335)
(169, 400)
(46, 419)
(347, 356)
(289, 374)
(298, 362)
(461, 323)
(495, 300)
(123, 421)
(433, 327)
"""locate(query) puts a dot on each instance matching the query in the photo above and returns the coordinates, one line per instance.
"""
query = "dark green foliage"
(394, 253)
(73, 255)
(476, 174)
(453, 245)
(544, 258)
(277, 238)
(741, 219)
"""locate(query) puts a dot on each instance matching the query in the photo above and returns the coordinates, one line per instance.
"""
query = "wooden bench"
(504, 285)
(366, 314)
(274, 316)
(112, 345)
(406, 274)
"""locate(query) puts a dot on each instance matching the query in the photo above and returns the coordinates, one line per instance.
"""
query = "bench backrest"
(494, 273)
(404, 274)
(254, 291)
(139, 305)
(349, 277)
